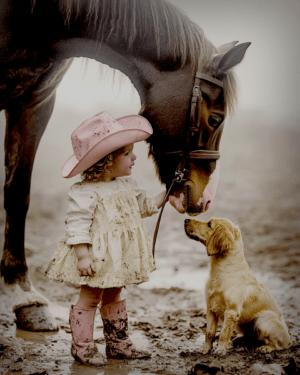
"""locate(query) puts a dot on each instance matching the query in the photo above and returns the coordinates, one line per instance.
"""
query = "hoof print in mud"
(35, 318)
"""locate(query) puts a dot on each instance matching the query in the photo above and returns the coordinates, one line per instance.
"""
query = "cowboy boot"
(115, 328)
(83, 347)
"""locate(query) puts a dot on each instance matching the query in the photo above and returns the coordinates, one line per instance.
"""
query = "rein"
(187, 154)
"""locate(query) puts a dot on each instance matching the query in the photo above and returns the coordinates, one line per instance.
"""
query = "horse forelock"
(137, 20)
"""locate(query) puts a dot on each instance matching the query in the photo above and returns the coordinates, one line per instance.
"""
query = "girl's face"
(123, 162)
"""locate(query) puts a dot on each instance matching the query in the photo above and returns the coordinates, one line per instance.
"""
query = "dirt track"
(259, 189)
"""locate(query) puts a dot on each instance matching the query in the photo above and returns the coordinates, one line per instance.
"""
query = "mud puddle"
(54, 348)
(55, 351)
(178, 318)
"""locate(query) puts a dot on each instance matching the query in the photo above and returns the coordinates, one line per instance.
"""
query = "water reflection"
(56, 347)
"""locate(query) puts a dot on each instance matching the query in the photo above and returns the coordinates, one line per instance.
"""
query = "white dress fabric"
(108, 217)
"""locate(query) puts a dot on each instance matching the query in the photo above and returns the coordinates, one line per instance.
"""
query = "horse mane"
(134, 20)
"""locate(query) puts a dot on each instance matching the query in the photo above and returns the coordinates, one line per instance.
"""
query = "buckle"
(196, 90)
(179, 175)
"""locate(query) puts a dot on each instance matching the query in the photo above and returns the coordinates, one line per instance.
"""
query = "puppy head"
(218, 235)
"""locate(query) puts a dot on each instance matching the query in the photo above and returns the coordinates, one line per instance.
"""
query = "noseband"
(187, 154)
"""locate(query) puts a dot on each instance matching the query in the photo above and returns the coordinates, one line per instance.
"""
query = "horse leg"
(24, 129)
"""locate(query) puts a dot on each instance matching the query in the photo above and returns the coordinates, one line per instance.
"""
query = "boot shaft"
(83, 347)
(115, 320)
(115, 329)
(82, 324)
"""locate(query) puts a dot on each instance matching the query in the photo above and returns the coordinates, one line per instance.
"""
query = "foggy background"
(268, 97)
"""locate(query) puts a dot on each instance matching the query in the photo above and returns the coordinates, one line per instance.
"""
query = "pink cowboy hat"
(101, 135)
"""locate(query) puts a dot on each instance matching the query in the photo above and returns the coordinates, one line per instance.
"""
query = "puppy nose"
(186, 222)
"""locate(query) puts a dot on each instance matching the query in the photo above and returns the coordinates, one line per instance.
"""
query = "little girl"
(106, 245)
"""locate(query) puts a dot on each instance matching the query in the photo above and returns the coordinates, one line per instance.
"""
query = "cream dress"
(108, 217)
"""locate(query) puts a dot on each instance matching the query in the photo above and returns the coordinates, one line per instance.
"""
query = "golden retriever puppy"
(233, 295)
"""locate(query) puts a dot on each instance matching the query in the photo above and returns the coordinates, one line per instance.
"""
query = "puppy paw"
(206, 349)
(222, 349)
(265, 349)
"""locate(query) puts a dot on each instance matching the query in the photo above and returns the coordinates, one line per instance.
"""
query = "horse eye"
(209, 224)
(214, 121)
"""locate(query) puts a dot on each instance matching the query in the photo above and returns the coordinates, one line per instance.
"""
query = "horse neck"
(142, 41)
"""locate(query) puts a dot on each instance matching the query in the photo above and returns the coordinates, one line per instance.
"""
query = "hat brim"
(136, 129)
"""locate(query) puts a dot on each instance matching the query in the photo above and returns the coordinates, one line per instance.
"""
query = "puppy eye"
(209, 224)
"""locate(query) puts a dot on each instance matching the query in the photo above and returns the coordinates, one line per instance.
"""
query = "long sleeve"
(79, 217)
(147, 204)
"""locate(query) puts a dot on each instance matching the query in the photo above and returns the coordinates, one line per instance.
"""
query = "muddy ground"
(259, 189)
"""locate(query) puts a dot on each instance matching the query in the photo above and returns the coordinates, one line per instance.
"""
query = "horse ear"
(221, 240)
(226, 47)
(231, 58)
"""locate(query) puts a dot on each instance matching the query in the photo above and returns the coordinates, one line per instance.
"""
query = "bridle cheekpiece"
(186, 153)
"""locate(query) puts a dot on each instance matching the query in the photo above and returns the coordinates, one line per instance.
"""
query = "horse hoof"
(35, 318)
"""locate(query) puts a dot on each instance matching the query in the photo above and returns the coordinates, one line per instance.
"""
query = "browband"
(208, 78)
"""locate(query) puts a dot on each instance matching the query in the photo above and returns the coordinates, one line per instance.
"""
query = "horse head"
(168, 106)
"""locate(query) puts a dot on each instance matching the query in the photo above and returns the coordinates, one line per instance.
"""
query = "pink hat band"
(101, 135)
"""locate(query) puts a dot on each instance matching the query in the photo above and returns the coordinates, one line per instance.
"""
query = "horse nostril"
(207, 205)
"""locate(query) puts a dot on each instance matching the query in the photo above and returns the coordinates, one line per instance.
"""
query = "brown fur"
(233, 295)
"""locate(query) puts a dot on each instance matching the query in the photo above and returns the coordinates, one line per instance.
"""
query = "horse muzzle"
(195, 195)
(186, 201)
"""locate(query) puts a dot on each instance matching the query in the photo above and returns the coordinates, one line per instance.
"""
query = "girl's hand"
(86, 266)
(159, 198)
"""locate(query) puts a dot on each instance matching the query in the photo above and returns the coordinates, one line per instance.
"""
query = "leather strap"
(194, 154)
(179, 177)
(208, 78)
(186, 153)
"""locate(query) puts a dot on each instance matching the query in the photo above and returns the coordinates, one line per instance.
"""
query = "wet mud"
(259, 189)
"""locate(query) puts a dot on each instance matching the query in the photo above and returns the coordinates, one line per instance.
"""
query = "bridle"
(186, 153)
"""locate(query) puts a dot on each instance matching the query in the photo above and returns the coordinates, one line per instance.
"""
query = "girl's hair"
(95, 172)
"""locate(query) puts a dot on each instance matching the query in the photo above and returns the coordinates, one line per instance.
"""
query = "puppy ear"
(221, 240)
(237, 232)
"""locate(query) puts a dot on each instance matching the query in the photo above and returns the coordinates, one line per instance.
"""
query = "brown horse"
(151, 42)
